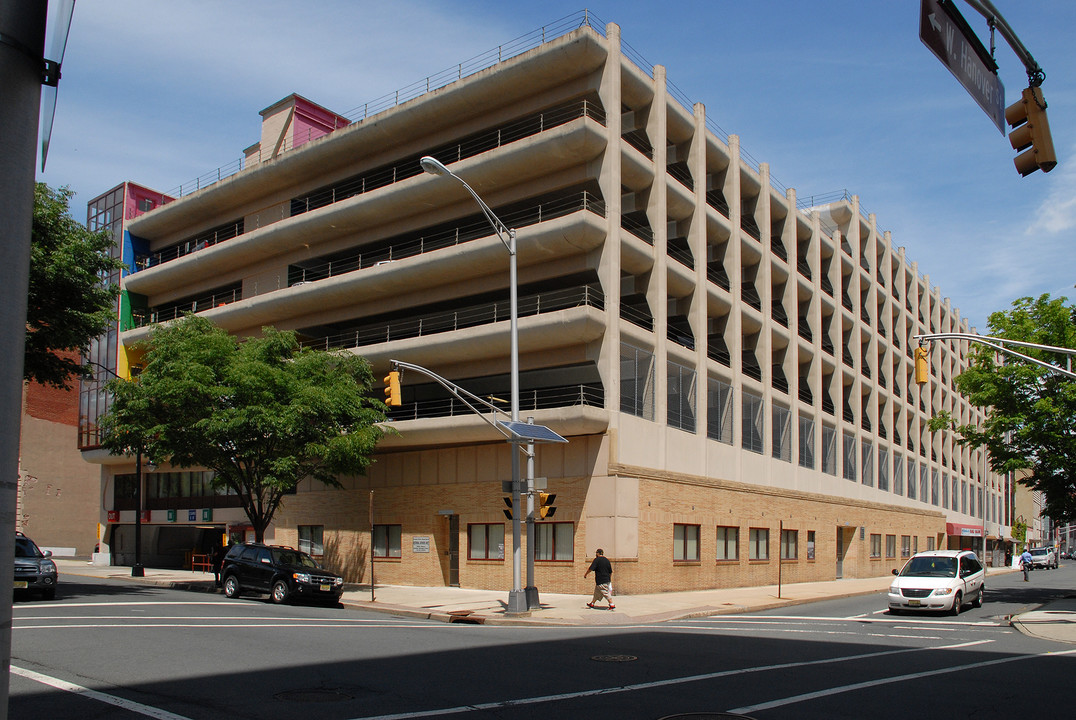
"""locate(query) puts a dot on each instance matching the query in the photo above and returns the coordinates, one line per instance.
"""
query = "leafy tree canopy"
(262, 413)
(1030, 411)
(68, 304)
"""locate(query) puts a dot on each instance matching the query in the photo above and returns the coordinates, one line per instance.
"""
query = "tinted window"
(24, 547)
(250, 553)
(930, 567)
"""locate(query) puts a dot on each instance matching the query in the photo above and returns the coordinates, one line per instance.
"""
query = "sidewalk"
(1055, 621)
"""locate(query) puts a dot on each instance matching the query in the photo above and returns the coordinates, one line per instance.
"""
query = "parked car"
(282, 572)
(1043, 557)
(943, 580)
(35, 572)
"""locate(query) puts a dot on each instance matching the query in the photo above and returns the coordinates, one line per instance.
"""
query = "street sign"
(945, 31)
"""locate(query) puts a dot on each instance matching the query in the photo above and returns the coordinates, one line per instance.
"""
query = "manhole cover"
(614, 658)
(316, 695)
(707, 716)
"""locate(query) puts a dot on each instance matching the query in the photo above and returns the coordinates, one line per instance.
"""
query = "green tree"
(68, 304)
(262, 413)
(1030, 418)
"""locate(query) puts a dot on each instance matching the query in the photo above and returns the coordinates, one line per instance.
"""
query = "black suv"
(282, 572)
(34, 570)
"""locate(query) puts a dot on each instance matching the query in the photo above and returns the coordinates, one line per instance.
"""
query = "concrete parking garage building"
(732, 370)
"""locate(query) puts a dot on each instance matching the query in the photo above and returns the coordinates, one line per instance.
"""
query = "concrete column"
(24, 22)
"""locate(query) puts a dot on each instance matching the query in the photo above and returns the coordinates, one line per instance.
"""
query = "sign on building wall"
(420, 544)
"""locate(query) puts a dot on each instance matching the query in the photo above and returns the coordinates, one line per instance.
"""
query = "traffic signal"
(508, 512)
(1031, 133)
(392, 389)
(922, 365)
(545, 505)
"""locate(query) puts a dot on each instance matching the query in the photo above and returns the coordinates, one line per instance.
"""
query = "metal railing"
(171, 311)
(459, 319)
(680, 171)
(471, 146)
(679, 249)
(635, 316)
(456, 235)
(488, 59)
(582, 395)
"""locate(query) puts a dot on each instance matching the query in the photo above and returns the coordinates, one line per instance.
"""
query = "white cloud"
(1057, 213)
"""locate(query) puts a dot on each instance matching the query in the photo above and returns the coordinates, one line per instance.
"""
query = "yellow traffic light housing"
(1031, 133)
(545, 505)
(392, 389)
(922, 365)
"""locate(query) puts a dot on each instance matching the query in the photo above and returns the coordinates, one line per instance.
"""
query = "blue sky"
(836, 95)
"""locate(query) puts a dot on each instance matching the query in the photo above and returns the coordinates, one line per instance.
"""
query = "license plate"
(20, 585)
(326, 588)
(913, 603)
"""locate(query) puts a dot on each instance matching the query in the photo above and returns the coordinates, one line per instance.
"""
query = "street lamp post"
(138, 570)
(517, 601)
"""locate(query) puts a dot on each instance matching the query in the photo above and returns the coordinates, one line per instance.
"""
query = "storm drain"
(314, 695)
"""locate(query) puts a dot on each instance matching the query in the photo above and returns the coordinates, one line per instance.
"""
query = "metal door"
(840, 553)
(454, 550)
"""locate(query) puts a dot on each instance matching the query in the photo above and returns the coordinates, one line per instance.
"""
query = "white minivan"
(938, 580)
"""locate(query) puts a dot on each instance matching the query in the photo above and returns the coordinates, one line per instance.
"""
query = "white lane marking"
(504, 704)
(853, 619)
(886, 681)
(139, 708)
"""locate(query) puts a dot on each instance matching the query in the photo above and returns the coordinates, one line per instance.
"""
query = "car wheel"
(231, 587)
(978, 603)
(958, 601)
(280, 592)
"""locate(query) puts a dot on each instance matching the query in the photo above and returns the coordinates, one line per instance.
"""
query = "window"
(924, 482)
(915, 544)
(905, 546)
(553, 541)
(753, 432)
(782, 433)
(758, 545)
(387, 541)
(719, 411)
(728, 543)
(849, 457)
(789, 544)
(485, 542)
(680, 411)
(898, 475)
(876, 545)
(866, 455)
(890, 546)
(810, 544)
(934, 487)
(310, 539)
(930, 543)
(685, 542)
(829, 450)
(945, 493)
(636, 382)
(806, 442)
(883, 469)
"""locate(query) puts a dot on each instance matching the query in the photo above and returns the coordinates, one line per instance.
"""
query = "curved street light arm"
(1035, 74)
(999, 345)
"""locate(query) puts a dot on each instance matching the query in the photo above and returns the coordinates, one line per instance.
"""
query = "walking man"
(1025, 563)
(603, 578)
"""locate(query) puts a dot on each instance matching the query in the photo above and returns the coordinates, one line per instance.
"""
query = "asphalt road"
(108, 649)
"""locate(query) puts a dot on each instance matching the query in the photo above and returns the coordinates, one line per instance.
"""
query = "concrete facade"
(718, 355)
